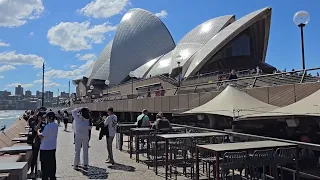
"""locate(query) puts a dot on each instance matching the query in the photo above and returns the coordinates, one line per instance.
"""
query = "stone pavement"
(125, 168)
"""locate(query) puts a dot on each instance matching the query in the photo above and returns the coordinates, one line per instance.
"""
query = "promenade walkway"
(125, 168)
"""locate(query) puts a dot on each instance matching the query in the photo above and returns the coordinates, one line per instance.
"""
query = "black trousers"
(48, 164)
(35, 152)
(89, 135)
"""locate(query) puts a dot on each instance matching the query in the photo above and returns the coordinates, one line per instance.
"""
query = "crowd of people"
(44, 132)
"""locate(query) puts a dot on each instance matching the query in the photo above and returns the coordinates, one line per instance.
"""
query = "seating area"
(15, 153)
(179, 153)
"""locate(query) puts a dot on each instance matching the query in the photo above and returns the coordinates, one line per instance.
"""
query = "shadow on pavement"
(122, 167)
(94, 172)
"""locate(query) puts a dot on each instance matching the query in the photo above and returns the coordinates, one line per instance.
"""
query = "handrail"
(257, 77)
(315, 147)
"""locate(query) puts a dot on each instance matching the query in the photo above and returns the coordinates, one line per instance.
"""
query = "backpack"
(140, 122)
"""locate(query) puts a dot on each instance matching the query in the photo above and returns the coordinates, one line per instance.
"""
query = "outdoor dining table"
(23, 134)
(17, 170)
(138, 131)
(167, 137)
(121, 129)
(15, 149)
(20, 139)
(241, 146)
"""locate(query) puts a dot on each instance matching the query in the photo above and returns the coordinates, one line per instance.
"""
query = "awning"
(233, 103)
(309, 106)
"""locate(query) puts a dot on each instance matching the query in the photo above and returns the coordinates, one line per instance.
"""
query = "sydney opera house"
(143, 47)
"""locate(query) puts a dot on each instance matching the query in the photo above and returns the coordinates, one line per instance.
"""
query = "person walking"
(48, 147)
(111, 123)
(81, 126)
(90, 128)
(65, 120)
(36, 123)
(143, 119)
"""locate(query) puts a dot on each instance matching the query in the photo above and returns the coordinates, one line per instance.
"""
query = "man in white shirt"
(48, 147)
(81, 126)
(111, 122)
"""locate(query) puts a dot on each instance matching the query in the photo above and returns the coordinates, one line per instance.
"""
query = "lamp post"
(42, 97)
(178, 60)
(107, 82)
(301, 19)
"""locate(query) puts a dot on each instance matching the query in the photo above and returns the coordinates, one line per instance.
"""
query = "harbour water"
(9, 116)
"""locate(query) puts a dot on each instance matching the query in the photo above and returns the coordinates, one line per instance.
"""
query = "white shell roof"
(162, 66)
(101, 68)
(190, 44)
(87, 75)
(222, 38)
(141, 71)
(140, 37)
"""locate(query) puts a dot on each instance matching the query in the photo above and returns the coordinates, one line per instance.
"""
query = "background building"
(64, 95)
(28, 94)
(19, 90)
(48, 95)
(4, 95)
(39, 94)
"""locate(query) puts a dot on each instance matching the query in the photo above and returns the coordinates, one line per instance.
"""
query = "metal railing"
(300, 76)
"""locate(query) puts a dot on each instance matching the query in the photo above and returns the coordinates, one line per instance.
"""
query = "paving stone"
(124, 169)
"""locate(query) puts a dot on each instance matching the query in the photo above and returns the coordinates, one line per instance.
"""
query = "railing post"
(195, 89)
(302, 78)
(254, 81)
(176, 91)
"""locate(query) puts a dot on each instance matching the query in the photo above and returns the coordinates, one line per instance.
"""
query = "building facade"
(19, 90)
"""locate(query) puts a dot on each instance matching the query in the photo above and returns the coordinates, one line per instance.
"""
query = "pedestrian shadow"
(122, 167)
(94, 172)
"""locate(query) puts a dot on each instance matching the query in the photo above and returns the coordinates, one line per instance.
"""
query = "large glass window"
(241, 46)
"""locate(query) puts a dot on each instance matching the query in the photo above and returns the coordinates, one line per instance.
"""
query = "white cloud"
(73, 66)
(86, 57)
(56, 73)
(21, 59)
(31, 34)
(1, 77)
(6, 68)
(23, 85)
(162, 14)
(4, 44)
(74, 36)
(47, 82)
(104, 8)
(14, 13)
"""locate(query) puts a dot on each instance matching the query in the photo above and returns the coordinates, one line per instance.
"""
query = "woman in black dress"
(65, 119)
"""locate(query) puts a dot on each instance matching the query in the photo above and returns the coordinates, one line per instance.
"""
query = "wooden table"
(20, 139)
(23, 134)
(17, 170)
(15, 149)
(241, 146)
(138, 131)
(121, 128)
(167, 137)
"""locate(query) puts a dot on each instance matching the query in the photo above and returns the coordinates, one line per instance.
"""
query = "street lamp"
(178, 60)
(301, 18)
(107, 82)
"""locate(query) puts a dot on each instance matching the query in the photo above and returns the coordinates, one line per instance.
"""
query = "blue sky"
(69, 36)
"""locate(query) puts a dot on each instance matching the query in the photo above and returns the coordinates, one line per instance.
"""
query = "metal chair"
(284, 156)
(260, 159)
(232, 160)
